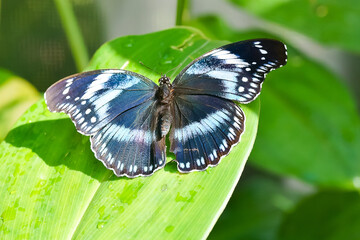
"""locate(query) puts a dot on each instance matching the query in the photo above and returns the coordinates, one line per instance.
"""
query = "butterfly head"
(164, 80)
(165, 91)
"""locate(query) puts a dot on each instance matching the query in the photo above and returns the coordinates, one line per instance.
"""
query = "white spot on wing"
(236, 61)
(231, 76)
(254, 85)
(225, 143)
(215, 153)
(222, 148)
(66, 91)
(252, 90)
(226, 56)
(81, 120)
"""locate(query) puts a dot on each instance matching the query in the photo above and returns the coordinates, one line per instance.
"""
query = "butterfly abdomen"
(164, 121)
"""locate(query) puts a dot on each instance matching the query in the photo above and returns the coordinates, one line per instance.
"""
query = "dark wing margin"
(204, 130)
(235, 71)
(92, 99)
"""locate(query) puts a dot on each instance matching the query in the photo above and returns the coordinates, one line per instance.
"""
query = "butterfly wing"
(92, 99)
(234, 71)
(128, 145)
(117, 108)
(206, 121)
(205, 128)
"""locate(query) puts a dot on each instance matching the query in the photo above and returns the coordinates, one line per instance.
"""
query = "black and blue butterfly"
(128, 116)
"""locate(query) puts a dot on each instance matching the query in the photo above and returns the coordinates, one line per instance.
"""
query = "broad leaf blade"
(53, 187)
(309, 125)
(328, 21)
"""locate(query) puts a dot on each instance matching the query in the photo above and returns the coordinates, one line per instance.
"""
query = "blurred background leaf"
(16, 95)
(33, 43)
(309, 126)
(331, 22)
(326, 215)
(257, 207)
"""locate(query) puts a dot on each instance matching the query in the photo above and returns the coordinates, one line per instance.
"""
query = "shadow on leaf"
(57, 142)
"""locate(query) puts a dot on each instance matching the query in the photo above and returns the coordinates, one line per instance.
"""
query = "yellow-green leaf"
(16, 95)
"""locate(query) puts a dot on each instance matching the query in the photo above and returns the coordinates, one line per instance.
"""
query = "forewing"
(204, 129)
(128, 144)
(92, 99)
(235, 71)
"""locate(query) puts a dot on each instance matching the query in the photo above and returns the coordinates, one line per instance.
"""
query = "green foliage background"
(302, 178)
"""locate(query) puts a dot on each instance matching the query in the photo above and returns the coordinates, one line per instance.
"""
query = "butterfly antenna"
(149, 68)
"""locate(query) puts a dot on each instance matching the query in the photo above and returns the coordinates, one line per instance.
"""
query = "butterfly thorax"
(165, 91)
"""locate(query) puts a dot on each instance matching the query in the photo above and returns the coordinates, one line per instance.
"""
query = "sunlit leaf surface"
(52, 187)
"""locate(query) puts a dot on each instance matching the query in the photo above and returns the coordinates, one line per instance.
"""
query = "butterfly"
(128, 116)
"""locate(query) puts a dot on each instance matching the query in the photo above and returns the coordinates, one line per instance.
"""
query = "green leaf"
(331, 22)
(16, 95)
(53, 187)
(331, 215)
(309, 125)
(256, 209)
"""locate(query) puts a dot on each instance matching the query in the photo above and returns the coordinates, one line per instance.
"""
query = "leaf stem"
(182, 12)
(73, 33)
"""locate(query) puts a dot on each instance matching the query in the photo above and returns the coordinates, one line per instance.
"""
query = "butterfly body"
(128, 116)
(164, 99)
